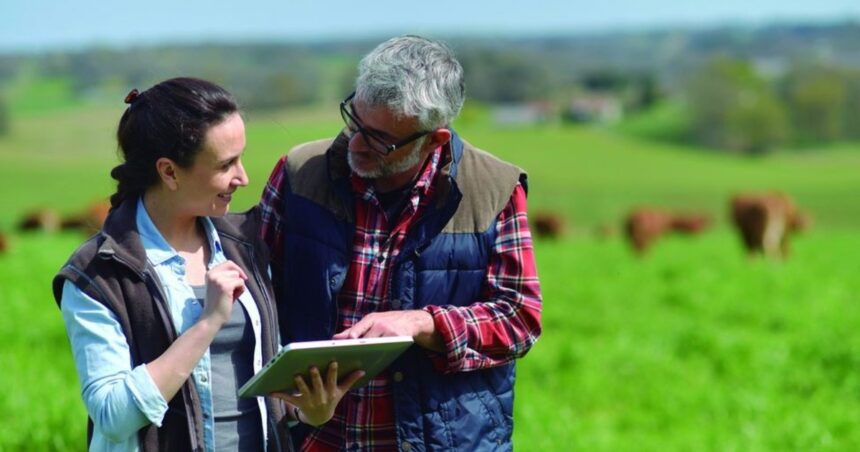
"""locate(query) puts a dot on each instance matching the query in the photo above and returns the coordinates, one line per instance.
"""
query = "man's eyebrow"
(365, 127)
(378, 132)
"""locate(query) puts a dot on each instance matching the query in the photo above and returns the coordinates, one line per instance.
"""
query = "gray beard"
(385, 170)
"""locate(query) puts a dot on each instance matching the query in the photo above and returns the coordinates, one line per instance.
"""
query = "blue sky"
(49, 24)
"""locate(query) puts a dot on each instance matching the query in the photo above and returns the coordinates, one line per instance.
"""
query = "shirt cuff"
(448, 361)
(146, 395)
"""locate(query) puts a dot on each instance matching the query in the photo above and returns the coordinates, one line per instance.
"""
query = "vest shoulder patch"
(487, 184)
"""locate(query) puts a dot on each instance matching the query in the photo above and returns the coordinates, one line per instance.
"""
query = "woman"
(173, 288)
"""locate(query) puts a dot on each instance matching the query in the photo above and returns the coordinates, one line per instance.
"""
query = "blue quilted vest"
(444, 262)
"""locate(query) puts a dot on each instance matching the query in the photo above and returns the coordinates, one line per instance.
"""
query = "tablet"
(372, 355)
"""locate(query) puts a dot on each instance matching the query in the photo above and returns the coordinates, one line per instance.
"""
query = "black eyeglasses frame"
(373, 140)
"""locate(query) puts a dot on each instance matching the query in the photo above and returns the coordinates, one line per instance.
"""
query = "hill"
(591, 175)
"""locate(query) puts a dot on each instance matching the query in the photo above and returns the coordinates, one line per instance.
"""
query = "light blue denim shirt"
(122, 398)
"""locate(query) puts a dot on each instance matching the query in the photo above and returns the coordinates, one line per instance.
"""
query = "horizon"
(372, 36)
(45, 26)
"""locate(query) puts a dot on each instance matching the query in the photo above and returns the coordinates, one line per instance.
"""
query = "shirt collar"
(158, 251)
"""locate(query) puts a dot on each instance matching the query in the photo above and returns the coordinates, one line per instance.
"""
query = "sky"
(44, 25)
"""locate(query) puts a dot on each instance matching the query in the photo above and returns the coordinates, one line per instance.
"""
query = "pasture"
(694, 347)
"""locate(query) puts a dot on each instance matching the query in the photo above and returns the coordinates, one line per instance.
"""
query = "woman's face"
(207, 187)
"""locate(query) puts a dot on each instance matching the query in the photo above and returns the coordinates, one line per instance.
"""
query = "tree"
(495, 75)
(731, 107)
(816, 98)
(4, 117)
(852, 106)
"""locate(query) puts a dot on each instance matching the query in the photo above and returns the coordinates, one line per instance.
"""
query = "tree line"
(734, 106)
(745, 89)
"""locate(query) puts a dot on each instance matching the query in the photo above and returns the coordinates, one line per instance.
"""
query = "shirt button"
(204, 378)
(395, 304)
(406, 446)
(398, 377)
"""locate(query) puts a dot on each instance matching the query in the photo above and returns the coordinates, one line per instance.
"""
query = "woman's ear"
(167, 172)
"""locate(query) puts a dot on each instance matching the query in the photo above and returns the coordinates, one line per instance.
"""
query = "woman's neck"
(180, 230)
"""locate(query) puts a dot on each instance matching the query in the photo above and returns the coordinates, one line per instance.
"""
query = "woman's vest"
(111, 267)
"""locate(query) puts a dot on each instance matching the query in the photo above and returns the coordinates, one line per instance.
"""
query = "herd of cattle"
(88, 221)
(764, 221)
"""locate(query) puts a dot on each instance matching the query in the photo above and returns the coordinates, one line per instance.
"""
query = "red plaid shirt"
(498, 327)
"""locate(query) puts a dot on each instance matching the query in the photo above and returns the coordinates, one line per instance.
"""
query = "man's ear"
(167, 173)
(439, 137)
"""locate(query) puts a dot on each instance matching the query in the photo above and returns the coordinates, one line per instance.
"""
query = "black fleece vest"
(111, 267)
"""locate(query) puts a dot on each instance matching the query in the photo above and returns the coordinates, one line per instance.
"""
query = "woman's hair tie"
(132, 96)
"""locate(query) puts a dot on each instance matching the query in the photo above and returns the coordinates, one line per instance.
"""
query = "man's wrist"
(427, 335)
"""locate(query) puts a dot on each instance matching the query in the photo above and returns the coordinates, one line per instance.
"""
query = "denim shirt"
(120, 398)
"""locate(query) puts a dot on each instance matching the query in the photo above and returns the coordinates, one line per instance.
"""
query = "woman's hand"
(224, 284)
(316, 404)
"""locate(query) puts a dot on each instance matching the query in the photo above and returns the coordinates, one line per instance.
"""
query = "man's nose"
(357, 143)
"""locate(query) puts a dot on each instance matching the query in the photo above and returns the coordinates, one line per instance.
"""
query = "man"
(399, 227)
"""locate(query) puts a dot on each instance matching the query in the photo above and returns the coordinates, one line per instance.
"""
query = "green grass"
(41, 392)
(694, 347)
(28, 96)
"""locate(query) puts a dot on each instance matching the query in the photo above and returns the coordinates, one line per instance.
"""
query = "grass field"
(693, 348)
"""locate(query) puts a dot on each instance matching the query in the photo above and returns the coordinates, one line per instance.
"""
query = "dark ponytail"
(168, 120)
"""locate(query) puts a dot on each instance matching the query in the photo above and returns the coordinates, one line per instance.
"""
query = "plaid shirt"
(497, 328)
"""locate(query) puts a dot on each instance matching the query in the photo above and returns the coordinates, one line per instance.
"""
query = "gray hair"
(414, 77)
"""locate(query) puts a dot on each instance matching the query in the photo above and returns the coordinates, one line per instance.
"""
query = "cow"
(765, 221)
(4, 243)
(90, 220)
(645, 225)
(605, 231)
(550, 225)
(46, 220)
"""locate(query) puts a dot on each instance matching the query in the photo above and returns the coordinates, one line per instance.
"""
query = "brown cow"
(40, 220)
(550, 225)
(91, 220)
(765, 221)
(4, 243)
(605, 231)
(644, 225)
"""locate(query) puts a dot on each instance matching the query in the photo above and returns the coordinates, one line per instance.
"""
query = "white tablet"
(372, 355)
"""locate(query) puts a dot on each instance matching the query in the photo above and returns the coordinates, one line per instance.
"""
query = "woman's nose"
(242, 177)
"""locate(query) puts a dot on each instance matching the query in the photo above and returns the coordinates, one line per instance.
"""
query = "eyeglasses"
(373, 140)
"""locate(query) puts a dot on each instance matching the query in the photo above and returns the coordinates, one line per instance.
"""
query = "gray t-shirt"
(237, 420)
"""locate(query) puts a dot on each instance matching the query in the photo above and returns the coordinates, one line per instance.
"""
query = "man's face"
(365, 159)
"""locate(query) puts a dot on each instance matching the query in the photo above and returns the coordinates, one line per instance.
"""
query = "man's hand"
(316, 404)
(417, 324)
